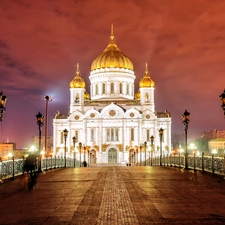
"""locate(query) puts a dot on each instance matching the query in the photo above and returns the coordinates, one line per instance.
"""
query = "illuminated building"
(113, 121)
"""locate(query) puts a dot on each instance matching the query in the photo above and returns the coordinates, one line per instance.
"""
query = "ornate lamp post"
(47, 99)
(74, 152)
(40, 122)
(161, 137)
(152, 140)
(65, 133)
(80, 146)
(145, 146)
(186, 121)
(3, 99)
(222, 97)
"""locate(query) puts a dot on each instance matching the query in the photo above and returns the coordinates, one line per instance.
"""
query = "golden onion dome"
(86, 96)
(112, 57)
(137, 95)
(146, 81)
(77, 81)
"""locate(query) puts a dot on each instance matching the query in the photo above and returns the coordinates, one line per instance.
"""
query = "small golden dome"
(77, 81)
(86, 96)
(146, 81)
(137, 95)
(112, 57)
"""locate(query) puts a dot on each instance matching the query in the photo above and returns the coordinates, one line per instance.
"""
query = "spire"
(78, 70)
(112, 34)
(146, 68)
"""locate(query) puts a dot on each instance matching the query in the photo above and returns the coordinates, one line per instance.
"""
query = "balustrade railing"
(15, 167)
(212, 164)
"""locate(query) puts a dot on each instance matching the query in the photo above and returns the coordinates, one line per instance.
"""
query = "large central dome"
(112, 57)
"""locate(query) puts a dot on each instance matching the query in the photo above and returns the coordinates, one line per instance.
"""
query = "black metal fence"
(12, 168)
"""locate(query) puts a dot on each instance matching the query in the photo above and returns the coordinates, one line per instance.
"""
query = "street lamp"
(152, 140)
(222, 97)
(74, 143)
(145, 146)
(40, 122)
(3, 99)
(186, 121)
(161, 137)
(80, 146)
(47, 99)
(65, 133)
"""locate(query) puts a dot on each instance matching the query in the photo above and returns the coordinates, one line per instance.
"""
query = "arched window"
(77, 98)
(146, 97)
(121, 88)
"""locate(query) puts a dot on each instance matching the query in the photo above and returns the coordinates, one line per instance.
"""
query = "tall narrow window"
(103, 88)
(92, 134)
(127, 89)
(112, 134)
(147, 135)
(132, 134)
(116, 134)
(146, 97)
(108, 134)
(121, 88)
(96, 89)
(61, 137)
(112, 88)
(77, 98)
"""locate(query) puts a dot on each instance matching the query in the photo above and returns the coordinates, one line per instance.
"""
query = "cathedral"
(112, 124)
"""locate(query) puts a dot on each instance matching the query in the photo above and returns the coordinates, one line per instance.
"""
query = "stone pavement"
(115, 195)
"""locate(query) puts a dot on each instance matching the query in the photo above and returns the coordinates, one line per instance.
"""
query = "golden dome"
(112, 57)
(77, 81)
(137, 95)
(86, 96)
(146, 81)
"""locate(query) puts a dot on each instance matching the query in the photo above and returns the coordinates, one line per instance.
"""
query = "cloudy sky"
(183, 41)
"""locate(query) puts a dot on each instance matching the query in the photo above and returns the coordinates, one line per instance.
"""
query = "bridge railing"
(15, 167)
(212, 164)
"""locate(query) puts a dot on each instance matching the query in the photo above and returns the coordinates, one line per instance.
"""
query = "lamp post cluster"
(3, 99)
(40, 123)
(186, 121)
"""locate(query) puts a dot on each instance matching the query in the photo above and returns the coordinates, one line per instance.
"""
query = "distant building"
(217, 144)
(213, 134)
(6, 149)
(35, 141)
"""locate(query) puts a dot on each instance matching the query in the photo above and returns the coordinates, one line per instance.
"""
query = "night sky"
(183, 41)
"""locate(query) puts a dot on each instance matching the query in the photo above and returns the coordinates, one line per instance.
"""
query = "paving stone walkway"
(114, 195)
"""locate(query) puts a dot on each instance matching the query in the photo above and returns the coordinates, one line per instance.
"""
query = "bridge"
(115, 195)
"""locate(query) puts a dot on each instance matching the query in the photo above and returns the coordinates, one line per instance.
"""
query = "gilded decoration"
(147, 116)
(78, 81)
(112, 57)
(104, 147)
(92, 115)
(112, 112)
(131, 114)
(146, 81)
(76, 117)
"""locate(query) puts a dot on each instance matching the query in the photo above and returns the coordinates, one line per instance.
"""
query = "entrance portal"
(112, 155)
